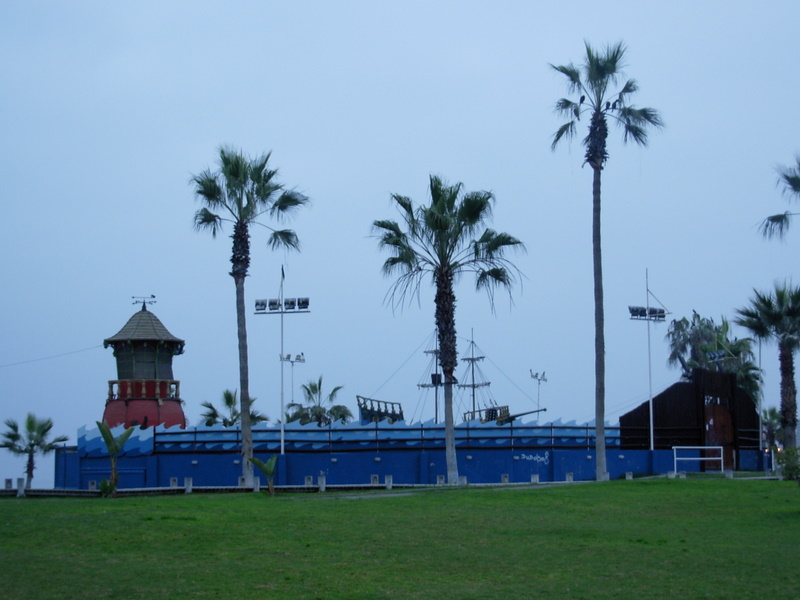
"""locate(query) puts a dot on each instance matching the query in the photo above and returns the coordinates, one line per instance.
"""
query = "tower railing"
(157, 389)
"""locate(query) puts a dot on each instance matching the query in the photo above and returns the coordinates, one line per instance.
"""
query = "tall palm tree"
(229, 416)
(241, 192)
(30, 441)
(319, 408)
(594, 86)
(789, 180)
(438, 240)
(776, 316)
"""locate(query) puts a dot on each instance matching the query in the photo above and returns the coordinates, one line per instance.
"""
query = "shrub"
(789, 463)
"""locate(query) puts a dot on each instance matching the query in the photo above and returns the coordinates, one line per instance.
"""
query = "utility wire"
(32, 360)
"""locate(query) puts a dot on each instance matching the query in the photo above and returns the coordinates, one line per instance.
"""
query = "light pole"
(658, 315)
(281, 306)
(300, 358)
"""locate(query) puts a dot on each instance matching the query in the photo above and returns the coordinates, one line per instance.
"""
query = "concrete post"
(374, 480)
(462, 480)
(187, 485)
(92, 485)
(173, 482)
(729, 473)
(20, 487)
(388, 480)
(256, 484)
(569, 478)
(504, 478)
(321, 482)
(9, 484)
(535, 478)
(628, 475)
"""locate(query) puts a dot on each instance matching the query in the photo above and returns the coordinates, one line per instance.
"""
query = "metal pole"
(649, 360)
(283, 411)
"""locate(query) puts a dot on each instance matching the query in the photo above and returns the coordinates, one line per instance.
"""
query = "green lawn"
(676, 539)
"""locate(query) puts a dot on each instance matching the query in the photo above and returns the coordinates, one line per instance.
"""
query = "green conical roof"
(143, 326)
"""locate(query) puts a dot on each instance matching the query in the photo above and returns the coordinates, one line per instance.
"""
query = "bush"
(107, 489)
(789, 463)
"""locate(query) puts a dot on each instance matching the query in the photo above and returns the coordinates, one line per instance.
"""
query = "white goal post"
(676, 458)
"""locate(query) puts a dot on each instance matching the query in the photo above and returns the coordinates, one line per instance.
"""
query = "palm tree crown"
(241, 192)
(319, 408)
(593, 82)
(700, 343)
(229, 416)
(32, 440)
(444, 240)
(776, 316)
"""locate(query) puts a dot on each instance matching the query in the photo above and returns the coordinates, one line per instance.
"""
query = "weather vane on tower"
(144, 300)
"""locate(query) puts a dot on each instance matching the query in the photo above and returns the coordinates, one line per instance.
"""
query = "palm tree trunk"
(113, 478)
(450, 433)
(599, 335)
(788, 396)
(448, 358)
(244, 385)
(29, 469)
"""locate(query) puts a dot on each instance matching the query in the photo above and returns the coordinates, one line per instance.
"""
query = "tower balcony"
(144, 389)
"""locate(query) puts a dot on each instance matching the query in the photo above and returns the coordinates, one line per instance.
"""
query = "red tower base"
(144, 412)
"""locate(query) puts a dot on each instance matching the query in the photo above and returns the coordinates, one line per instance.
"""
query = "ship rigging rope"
(405, 362)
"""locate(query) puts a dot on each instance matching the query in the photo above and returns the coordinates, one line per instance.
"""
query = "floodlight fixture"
(289, 303)
(274, 304)
(302, 303)
(261, 305)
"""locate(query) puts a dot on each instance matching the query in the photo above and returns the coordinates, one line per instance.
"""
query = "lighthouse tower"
(145, 394)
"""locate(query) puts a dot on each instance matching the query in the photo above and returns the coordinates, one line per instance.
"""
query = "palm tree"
(702, 344)
(319, 409)
(591, 83)
(776, 316)
(239, 193)
(114, 445)
(771, 422)
(789, 180)
(31, 441)
(438, 240)
(230, 403)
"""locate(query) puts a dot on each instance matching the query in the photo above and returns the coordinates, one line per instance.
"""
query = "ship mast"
(472, 359)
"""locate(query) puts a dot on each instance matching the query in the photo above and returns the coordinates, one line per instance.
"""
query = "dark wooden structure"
(709, 410)
(145, 392)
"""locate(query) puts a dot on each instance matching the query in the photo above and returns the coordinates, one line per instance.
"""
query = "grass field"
(676, 539)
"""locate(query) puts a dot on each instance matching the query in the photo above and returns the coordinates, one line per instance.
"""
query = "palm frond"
(789, 178)
(776, 226)
(287, 203)
(567, 130)
(572, 74)
(284, 238)
(205, 219)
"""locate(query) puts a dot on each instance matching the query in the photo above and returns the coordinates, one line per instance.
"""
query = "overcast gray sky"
(109, 108)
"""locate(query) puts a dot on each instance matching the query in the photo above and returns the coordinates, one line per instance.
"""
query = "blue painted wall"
(356, 454)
